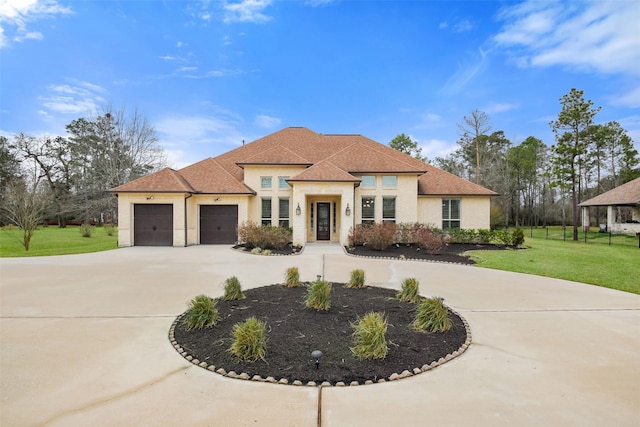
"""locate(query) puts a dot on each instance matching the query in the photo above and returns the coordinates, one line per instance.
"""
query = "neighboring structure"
(319, 185)
(623, 208)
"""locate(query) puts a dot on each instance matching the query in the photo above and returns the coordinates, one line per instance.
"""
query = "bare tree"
(24, 205)
(472, 128)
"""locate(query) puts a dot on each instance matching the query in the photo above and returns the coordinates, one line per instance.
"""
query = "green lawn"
(615, 266)
(56, 241)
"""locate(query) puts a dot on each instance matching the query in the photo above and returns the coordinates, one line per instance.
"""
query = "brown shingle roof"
(165, 180)
(442, 183)
(626, 194)
(331, 157)
(325, 171)
(209, 177)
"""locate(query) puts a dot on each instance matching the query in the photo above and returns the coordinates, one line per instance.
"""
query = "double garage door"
(153, 224)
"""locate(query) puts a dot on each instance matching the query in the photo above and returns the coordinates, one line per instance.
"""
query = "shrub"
(431, 316)
(86, 230)
(484, 236)
(356, 280)
(517, 238)
(432, 242)
(381, 235)
(110, 229)
(319, 295)
(409, 291)
(369, 337)
(256, 251)
(202, 313)
(232, 289)
(267, 237)
(461, 235)
(249, 340)
(504, 237)
(292, 278)
(266, 252)
(357, 235)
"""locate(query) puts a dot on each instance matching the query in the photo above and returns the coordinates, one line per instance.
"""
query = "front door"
(322, 227)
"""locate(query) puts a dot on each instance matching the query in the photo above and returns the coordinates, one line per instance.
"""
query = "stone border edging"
(390, 258)
(285, 381)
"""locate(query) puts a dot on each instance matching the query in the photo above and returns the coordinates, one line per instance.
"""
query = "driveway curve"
(84, 342)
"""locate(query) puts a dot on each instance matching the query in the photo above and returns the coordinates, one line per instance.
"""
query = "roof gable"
(324, 171)
(625, 194)
(165, 180)
(208, 176)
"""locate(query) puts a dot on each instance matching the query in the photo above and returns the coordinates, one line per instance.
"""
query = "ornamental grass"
(409, 291)
(369, 336)
(249, 340)
(357, 279)
(431, 316)
(202, 313)
(232, 289)
(319, 295)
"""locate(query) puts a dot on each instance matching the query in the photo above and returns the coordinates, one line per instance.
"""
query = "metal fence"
(566, 234)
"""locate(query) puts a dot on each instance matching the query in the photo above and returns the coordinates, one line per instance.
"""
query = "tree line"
(65, 178)
(538, 184)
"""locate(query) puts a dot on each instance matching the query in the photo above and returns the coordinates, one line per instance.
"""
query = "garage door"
(218, 224)
(153, 225)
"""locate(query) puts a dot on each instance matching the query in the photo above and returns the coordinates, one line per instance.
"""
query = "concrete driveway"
(84, 343)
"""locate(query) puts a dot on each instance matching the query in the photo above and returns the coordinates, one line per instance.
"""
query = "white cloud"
(180, 44)
(463, 26)
(315, 3)
(474, 64)
(185, 69)
(628, 98)
(17, 14)
(494, 107)
(443, 25)
(433, 148)
(267, 122)
(79, 98)
(588, 36)
(245, 11)
(188, 139)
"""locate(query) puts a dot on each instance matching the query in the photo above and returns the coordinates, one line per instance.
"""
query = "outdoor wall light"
(319, 277)
(149, 197)
(316, 354)
(298, 210)
(347, 211)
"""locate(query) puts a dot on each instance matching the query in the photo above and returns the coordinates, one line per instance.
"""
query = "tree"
(569, 151)
(9, 164)
(472, 127)
(406, 145)
(24, 205)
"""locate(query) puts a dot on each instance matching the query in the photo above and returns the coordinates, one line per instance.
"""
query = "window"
(265, 182)
(283, 212)
(389, 181)
(335, 216)
(368, 210)
(389, 209)
(368, 181)
(450, 213)
(311, 216)
(266, 211)
(282, 182)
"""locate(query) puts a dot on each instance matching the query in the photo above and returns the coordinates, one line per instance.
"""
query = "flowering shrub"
(432, 242)
(265, 237)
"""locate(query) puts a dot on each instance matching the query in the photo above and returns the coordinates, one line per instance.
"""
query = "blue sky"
(208, 74)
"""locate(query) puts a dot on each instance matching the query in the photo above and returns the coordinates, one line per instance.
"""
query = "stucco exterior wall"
(405, 193)
(126, 201)
(623, 228)
(474, 211)
(307, 193)
(193, 211)
(252, 178)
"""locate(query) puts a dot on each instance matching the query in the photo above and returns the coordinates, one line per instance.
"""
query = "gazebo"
(623, 208)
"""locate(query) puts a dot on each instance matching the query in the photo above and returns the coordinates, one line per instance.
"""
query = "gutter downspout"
(185, 218)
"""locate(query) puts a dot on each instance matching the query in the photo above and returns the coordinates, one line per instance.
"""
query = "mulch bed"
(451, 252)
(294, 331)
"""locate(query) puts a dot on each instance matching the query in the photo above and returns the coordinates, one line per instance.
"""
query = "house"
(319, 185)
(623, 208)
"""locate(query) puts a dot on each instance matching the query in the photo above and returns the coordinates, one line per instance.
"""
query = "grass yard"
(56, 241)
(616, 266)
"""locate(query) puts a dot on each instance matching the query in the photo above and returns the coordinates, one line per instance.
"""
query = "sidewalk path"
(84, 343)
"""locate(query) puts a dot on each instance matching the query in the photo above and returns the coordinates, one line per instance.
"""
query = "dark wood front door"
(323, 225)
(152, 225)
(218, 224)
